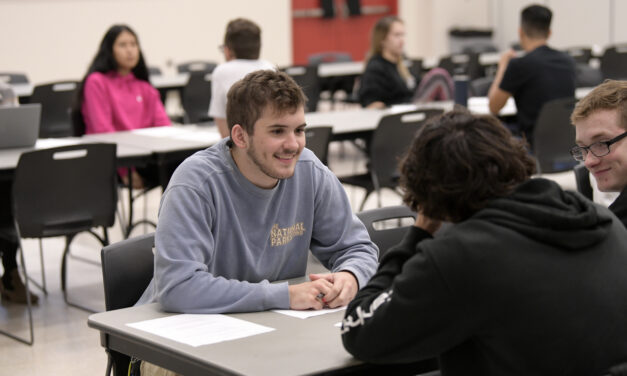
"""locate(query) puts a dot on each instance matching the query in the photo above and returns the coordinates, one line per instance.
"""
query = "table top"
(362, 120)
(296, 346)
(139, 143)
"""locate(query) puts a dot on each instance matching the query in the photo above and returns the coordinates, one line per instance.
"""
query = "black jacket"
(619, 207)
(382, 82)
(533, 284)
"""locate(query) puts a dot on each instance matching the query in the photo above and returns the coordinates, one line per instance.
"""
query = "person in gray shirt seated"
(244, 213)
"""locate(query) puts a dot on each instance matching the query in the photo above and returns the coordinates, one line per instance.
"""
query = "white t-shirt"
(225, 75)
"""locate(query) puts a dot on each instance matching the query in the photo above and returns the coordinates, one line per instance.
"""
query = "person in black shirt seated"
(600, 121)
(386, 80)
(541, 75)
(529, 280)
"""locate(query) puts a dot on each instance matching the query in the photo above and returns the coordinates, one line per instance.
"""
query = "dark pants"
(8, 238)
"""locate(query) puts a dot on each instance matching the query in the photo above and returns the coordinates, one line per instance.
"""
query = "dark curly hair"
(458, 162)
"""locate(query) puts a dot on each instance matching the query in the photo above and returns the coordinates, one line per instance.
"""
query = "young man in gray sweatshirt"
(246, 212)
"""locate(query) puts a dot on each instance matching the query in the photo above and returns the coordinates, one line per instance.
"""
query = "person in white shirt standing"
(242, 43)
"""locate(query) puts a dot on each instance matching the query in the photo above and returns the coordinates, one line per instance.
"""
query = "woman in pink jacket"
(116, 94)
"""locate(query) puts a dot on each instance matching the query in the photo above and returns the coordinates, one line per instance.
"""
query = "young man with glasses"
(600, 121)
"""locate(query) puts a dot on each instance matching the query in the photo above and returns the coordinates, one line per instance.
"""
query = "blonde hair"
(610, 95)
(379, 32)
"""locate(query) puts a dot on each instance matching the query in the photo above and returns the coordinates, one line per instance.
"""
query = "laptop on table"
(19, 126)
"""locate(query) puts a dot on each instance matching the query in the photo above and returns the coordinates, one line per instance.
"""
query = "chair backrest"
(328, 57)
(196, 66)
(385, 227)
(390, 141)
(56, 100)
(554, 135)
(587, 76)
(127, 268)
(154, 71)
(479, 87)
(581, 55)
(13, 78)
(307, 78)
(582, 179)
(65, 190)
(318, 139)
(614, 62)
(415, 68)
(197, 96)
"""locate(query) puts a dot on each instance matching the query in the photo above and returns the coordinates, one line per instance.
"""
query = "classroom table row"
(158, 142)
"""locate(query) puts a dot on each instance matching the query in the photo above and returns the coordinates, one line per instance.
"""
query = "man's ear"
(239, 136)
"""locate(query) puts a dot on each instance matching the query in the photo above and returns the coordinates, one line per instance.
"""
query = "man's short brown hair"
(243, 38)
(458, 162)
(610, 95)
(259, 91)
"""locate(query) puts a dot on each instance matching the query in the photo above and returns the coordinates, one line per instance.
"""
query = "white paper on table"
(198, 330)
(165, 131)
(47, 143)
(204, 136)
(307, 314)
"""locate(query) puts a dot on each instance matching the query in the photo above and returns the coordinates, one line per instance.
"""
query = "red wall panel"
(341, 33)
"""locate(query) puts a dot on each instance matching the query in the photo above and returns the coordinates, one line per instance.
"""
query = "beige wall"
(56, 39)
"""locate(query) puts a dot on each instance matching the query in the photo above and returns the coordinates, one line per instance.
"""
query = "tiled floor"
(64, 345)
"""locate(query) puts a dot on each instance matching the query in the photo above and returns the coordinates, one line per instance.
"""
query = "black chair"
(385, 225)
(389, 142)
(415, 68)
(127, 268)
(154, 71)
(580, 54)
(587, 76)
(479, 87)
(196, 97)
(614, 62)
(62, 192)
(318, 139)
(307, 78)
(554, 135)
(56, 100)
(13, 78)
(582, 178)
(196, 66)
(336, 83)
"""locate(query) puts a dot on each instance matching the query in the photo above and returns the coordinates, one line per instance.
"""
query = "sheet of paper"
(47, 143)
(204, 136)
(158, 131)
(306, 314)
(198, 330)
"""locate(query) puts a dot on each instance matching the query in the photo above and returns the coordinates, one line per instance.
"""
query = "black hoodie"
(619, 207)
(534, 284)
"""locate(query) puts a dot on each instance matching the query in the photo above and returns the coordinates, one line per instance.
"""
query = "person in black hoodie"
(600, 121)
(529, 279)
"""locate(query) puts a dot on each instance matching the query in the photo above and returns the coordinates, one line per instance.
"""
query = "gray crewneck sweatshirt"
(221, 240)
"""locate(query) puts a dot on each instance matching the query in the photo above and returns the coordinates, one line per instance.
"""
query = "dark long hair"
(104, 62)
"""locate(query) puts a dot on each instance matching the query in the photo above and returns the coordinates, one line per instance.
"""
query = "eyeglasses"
(221, 48)
(598, 149)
